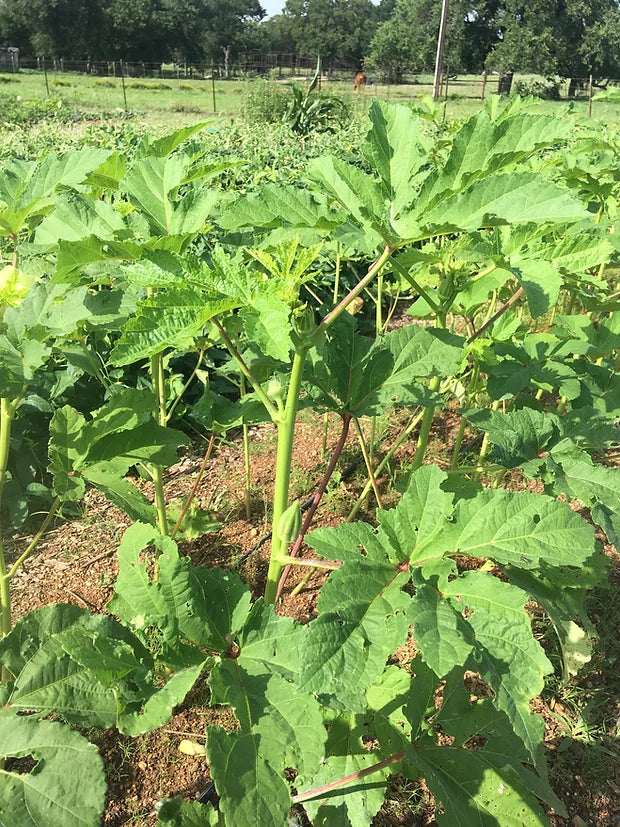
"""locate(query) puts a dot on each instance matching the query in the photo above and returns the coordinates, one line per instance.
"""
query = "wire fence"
(281, 67)
(277, 65)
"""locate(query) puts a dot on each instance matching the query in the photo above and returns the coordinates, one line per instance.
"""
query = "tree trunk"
(504, 84)
(226, 50)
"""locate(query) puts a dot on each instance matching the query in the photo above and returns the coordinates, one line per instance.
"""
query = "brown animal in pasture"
(359, 84)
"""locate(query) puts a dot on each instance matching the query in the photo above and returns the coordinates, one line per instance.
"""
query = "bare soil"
(76, 563)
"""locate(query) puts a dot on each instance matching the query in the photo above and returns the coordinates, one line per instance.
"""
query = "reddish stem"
(192, 493)
(334, 785)
(346, 421)
(496, 316)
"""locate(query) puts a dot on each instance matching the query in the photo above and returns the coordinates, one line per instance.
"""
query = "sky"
(272, 6)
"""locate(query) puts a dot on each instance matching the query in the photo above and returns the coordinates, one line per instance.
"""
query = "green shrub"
(263, 102)
(187, 87)
(18, 110)
(58, 82)
(190, 110)
(105, 83)
(545, 88)
(9, 79)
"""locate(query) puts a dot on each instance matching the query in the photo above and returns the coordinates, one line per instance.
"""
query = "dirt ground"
(76, 563)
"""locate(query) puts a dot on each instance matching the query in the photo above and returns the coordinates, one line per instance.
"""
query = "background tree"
(277, 34)
(144, 30)
(407, 41)
(57, 28)
(337, 30)
(570, 38)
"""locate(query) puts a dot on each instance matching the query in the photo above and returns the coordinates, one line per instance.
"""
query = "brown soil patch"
(76, 563)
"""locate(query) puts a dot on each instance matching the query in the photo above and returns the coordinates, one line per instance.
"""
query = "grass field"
(154, 101)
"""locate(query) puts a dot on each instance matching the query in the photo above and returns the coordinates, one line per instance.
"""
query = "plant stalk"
(185, 386)
(354, 776)
(192, 493)
(471, 390)
(337, 311)
(416, 286)
(315, 564)
(379, 306)
(346, 421)
(35, 540)
(337, 276)
(368, 462)
(247, 471)
(273, 412)
(484, 447)
(517, 295)
(159, 389)
(425, 427)
(6, 417)
(413, 423)
(286, 433)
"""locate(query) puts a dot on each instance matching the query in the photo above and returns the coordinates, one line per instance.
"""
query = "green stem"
(286, 433)
(407, 431)
(159, 389)
(6, 416)
(185, 386)
(425, 427)
(484, 447)
(416, 286)
(471, 390)
(273, 412)
(302, 583)
(337, 277)
(315, 564)
(192, 493)
(482, 273)
(247, 477)
(457, 443)
(367, 460)
(472, 469)
(325, 434)
(35, 540)
(499, 477)
(379, 306)
(337, 311)
(346, 421)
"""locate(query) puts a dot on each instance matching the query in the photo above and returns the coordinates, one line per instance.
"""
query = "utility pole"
(440, 44)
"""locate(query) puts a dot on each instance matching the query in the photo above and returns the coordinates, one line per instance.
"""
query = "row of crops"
(142, 294)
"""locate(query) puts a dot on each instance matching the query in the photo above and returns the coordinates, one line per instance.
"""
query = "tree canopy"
(571, 38)
(130, 29)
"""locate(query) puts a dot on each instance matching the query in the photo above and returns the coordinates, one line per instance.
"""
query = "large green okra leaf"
(27, 188)
(280, 724)
(352, 373)
(204, 607)
(66, 787)
(472, 618)
(91, 669)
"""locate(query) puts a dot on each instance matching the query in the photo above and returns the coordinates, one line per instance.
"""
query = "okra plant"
(500, 255)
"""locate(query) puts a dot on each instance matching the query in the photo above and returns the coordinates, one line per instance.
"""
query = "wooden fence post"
(47, 84)
(123, 83)
(213, 87)
(484, 83)
(590, 98)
